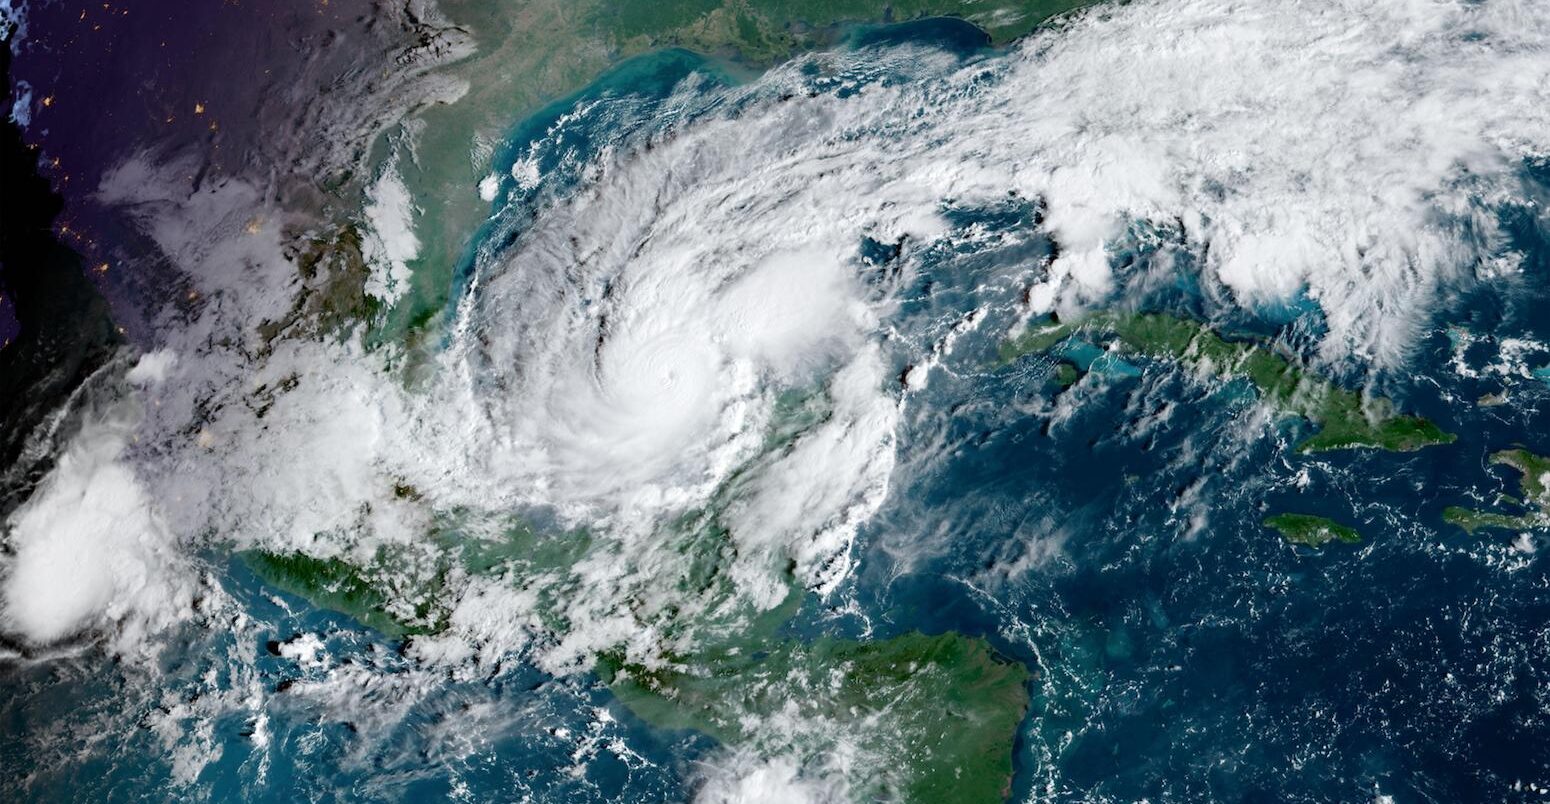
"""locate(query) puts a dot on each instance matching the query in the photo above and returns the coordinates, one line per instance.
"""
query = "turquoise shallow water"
(1107, 536)
(1092, 358)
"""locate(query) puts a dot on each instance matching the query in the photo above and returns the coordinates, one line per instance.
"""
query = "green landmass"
(762, 32)
(1038, 339)
(1534, 471)
(523, 550)
(951, 707)
(1346, 419)
(399, 592)
(1471, 520)
(334, 585)
(934, 718)
(795, 412)
(1534, 480)
(936, 715)
(1310, 530)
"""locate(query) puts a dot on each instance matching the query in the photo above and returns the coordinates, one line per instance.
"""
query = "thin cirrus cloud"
(620, 364)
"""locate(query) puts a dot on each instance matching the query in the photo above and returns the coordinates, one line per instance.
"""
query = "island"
(1345, 419)
(1534, 481)
(1310, 530)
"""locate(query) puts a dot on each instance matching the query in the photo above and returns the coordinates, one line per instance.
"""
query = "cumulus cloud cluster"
(745, 779)
(621, 363)
(91, 549)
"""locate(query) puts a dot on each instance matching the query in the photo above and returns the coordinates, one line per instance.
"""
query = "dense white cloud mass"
(623, 361)
(743, 779)
(391, 242)
(90, 548)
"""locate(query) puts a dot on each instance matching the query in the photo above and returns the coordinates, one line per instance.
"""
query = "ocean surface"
(1107, 535)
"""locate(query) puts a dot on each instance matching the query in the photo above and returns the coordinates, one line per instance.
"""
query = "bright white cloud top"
(624, 360)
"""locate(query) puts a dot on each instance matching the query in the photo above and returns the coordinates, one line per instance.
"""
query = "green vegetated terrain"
(1534, 481)
(1346, 419)
(399, 591)
(938, 714)
(1066, 374)
(332, 584)
(763, 31)
(1310, 530)
(934, 716)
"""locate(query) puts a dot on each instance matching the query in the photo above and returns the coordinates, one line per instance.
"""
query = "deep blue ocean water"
(1183, 651)
(1106, 535)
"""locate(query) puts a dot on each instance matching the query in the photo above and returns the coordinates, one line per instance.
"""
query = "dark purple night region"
(8, 324)
(217, 84)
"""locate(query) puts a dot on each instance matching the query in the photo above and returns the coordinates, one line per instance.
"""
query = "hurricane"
(1147, 406)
